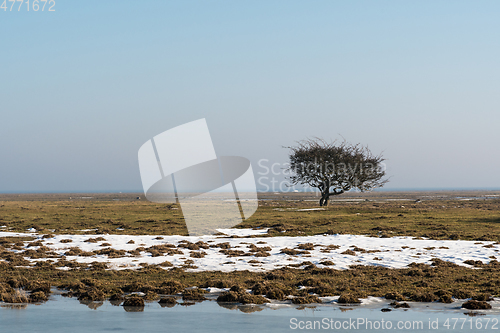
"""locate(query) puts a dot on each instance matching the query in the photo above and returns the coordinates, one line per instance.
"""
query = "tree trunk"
(324, 199)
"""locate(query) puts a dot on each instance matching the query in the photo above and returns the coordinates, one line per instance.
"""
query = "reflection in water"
(116, 302)
(133, 308)
(167, 305)
(246, 308)
(15, 306)
(187, 303)
(61, 315)
(116, 299)
(249, 308)
(474, 314)
(168, 302)
(229, 306)
(346, 309)
(303, 307)
(91, 304)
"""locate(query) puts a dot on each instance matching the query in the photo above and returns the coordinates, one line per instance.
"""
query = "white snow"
(395, 252)
(296, 209)
(243, 232)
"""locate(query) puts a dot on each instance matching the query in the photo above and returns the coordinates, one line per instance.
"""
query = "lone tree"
(335, 168)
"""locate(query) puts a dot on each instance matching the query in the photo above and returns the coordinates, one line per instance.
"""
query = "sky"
(84, 86)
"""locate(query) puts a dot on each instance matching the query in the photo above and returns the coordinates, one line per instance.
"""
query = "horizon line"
(398, 189)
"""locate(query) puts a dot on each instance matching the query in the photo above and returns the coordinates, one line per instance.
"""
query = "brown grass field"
(464, 215)
(439, 215)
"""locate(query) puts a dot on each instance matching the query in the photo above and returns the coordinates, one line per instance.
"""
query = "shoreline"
(328, 304)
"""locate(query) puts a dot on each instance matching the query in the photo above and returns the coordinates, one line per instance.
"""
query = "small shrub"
(423, 297)
(446, 298)
(170, 287)
(228, 296)
(91, 294)
(193, 294)
(241, 297)
(217, 284)
(348, 298)
(167, 301)
(306, 299)
(482, 297)
(134, 301)
(246, 298)
(476, 305)
(292, 252)
(95, 240)
(398, 305)
(198, 254)
(151, 295)
(166, 264)
(17, 296)
(276, 293)
(306, 246)
(38, 296)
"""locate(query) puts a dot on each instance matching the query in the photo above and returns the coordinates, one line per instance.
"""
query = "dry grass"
(438, 219)
(441, 282)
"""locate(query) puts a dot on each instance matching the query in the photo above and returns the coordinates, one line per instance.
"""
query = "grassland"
(436, 216)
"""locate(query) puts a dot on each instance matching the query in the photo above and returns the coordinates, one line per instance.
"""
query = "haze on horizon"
(82, 88)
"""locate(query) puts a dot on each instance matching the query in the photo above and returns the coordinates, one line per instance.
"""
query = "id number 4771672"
(27, 5)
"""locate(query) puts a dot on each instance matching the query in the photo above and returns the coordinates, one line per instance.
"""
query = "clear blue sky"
(82, 88)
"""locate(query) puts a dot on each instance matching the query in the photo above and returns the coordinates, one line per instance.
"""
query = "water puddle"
(62, 314)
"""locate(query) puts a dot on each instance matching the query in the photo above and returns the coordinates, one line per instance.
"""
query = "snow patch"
(395, 252)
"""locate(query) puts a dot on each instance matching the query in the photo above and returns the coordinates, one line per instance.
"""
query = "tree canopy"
(334, 168)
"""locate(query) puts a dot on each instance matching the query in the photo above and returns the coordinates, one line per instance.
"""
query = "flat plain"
(31, 265)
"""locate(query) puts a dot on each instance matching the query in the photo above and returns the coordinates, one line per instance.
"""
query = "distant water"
(69, 316)
(435, 189)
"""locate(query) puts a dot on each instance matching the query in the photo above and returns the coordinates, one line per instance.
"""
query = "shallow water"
(68, 315)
